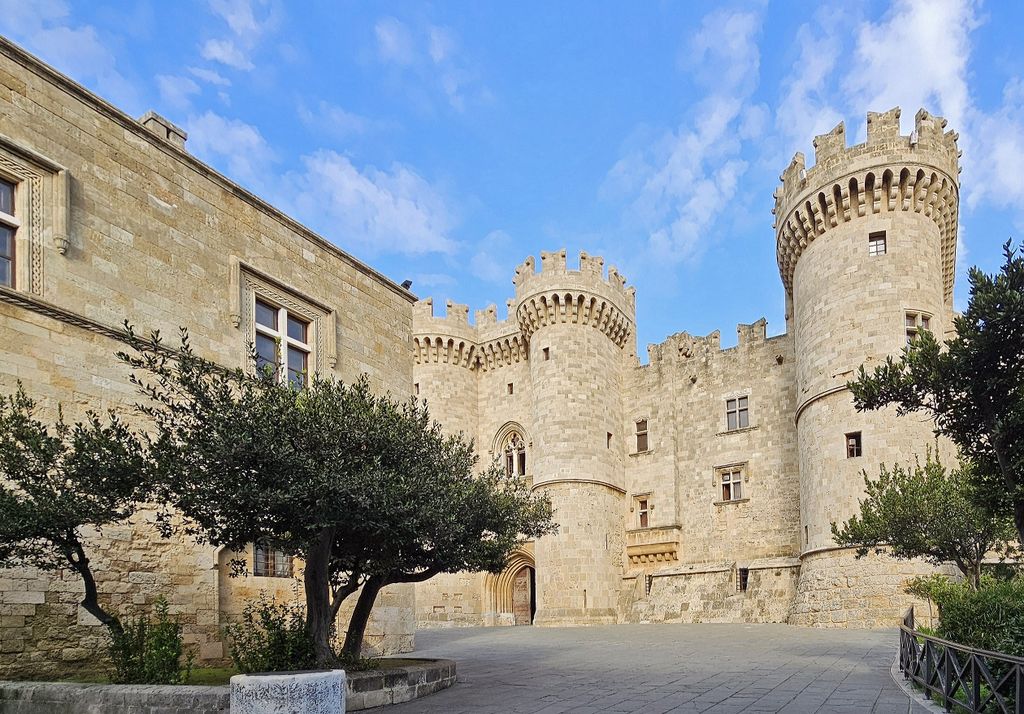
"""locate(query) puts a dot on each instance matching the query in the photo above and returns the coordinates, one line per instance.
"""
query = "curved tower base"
(838, 590)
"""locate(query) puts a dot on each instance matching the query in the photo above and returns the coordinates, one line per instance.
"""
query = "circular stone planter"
(289, 693)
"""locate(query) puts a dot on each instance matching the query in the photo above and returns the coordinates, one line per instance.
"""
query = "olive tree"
(57, 482)
(972, 385)
(929, 512)
(366, 490)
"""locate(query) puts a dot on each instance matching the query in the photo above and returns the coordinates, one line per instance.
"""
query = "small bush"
(271, 637)
(150, 652)
(991, 618)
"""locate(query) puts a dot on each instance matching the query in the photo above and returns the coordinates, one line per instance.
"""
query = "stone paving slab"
(663, 668)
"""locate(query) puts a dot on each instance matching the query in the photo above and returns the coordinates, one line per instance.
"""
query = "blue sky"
(444, 142)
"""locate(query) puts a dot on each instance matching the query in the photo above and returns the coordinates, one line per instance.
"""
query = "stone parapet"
(889, 172)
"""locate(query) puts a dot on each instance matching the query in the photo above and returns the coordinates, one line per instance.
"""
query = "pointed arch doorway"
(512, 594)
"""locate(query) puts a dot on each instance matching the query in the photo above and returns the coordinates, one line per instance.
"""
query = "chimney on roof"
(164, 128)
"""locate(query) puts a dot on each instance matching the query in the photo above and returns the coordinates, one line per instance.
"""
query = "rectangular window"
(876, 244)
(609, 440)
(737, 415)
(742, 578)
(641, 436)
(8, 228)
(732, 483)
(510, 388)
(914, 322)
(853, 445)
(416, 388)
(643, 513)
(270, 562)
(547, 353)
(282, 352)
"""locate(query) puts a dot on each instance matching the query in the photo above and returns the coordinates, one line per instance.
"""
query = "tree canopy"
(58, 481)
(972, 385)
(927, 512)
(367, 490)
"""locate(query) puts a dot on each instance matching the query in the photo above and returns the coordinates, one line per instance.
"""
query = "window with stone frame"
(642, 442)
(737, 413)
(876, 244)
(514, 452)
(270, 562)
(642, 507)
(8, 229)
(283, 342)
(854, 445)
(731, 482)
(914, 323)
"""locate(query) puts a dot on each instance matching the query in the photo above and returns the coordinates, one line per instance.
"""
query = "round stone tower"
(580, 329)
(866, 242)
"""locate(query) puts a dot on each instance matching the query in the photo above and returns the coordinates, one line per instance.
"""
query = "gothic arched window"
(514, 451)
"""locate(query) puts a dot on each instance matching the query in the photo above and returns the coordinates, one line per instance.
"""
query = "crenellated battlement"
(684, 347)
(451, 339)
(888, 172)
(589, 278)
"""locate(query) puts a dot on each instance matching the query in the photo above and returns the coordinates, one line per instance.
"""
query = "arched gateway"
(511, 595)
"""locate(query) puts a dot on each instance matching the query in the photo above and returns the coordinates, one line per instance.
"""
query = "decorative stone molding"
(443, 349)
(30, 170)
(246, 282)
(578, 308)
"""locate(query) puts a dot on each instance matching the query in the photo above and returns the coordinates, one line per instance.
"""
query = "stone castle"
(702, 485)
(698, 487)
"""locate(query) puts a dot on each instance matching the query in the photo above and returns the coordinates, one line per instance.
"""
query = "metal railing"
(960, 677)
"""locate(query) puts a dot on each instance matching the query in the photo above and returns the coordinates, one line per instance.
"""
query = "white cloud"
(46, 28)
(680, 184)
(239, 15)
(934, 35)
(210, 76)
(373, 210)
(997, 143)
(805, 109)
(226, 52)
(332, 119)
(394, 41)
(176, 91)
(493, 257)
(429, 56)
(231, 143)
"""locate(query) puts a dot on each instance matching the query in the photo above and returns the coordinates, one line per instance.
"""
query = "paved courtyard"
(664, 668)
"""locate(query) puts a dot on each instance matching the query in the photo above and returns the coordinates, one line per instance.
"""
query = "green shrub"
(150, 652)
(271, 637)
(991, 618)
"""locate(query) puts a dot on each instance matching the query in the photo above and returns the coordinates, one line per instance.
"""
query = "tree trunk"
(1010, 477)
(318, 596)
(75, 554)
(361, 616)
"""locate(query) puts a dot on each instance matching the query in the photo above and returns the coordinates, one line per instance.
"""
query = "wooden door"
(522, 597)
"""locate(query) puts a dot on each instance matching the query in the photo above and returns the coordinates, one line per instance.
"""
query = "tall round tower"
(866, 242)
(580, 329)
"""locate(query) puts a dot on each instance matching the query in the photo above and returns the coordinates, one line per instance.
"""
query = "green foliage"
(927, 512)
(56, 480)
(271, 637)
(366, 489)
(150, 652)
(973, 386)
(990, 618)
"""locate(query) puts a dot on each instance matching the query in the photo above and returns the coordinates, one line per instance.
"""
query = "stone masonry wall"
(159, 239)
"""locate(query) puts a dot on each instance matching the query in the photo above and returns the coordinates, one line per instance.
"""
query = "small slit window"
(643, 512)
(547, 353)
(742, 578)
(510, 388)
(876, 244)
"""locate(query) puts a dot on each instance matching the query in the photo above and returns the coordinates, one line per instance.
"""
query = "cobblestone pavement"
(663, 668)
